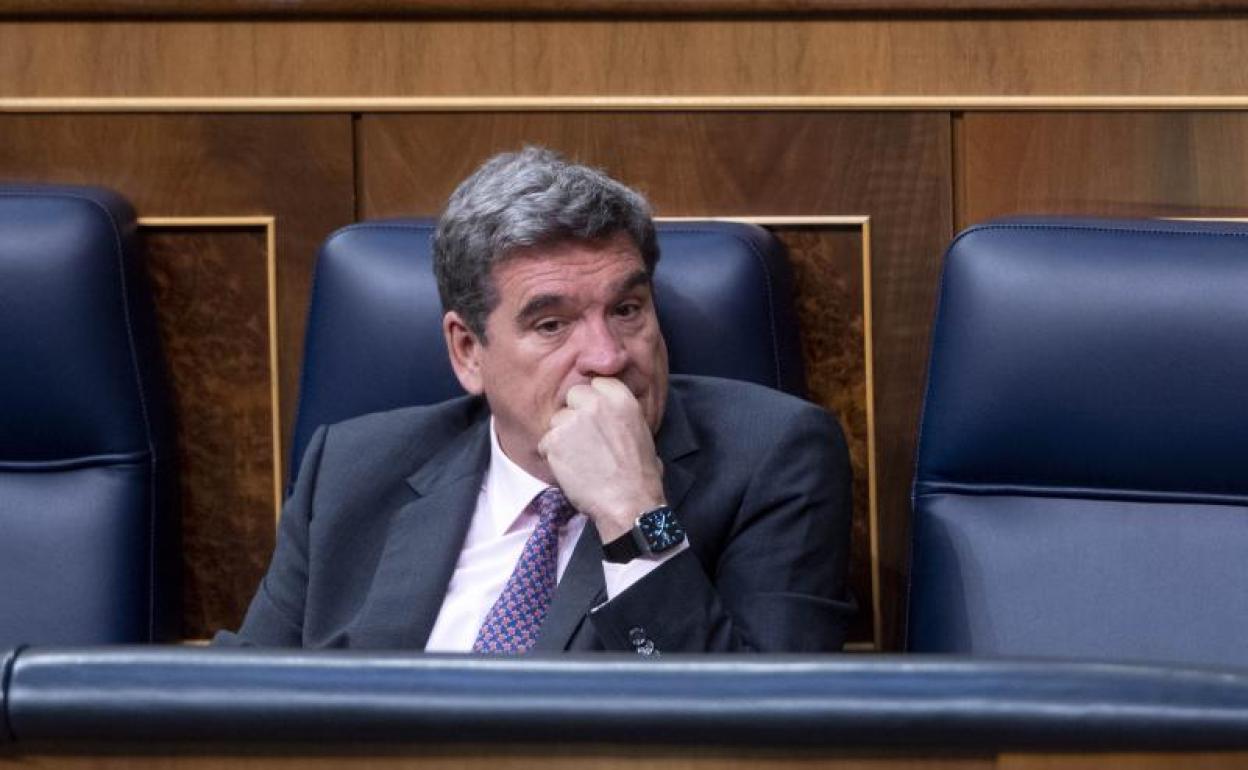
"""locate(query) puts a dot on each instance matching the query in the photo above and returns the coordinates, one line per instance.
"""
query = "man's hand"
(600, 450)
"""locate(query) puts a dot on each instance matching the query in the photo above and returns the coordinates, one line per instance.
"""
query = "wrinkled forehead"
(570, 269)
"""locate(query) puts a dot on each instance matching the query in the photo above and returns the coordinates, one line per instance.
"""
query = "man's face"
(566, 313)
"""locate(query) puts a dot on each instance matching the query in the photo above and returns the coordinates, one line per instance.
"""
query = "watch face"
(661, 529)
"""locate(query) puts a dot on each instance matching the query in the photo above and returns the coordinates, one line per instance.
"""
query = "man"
(575, 499)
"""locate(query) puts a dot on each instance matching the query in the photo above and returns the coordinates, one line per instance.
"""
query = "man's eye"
(549, 326)
(628, 309)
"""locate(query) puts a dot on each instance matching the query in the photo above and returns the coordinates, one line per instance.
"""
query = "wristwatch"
(654, 532)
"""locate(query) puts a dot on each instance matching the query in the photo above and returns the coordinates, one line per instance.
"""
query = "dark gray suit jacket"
(371, 533)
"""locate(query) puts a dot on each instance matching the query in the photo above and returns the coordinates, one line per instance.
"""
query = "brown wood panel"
(1139, 761)
(1105, 164)
(298, 169)
(827, 266)
(211, 292)
(691, 57)
(893, 167)
(472, 8)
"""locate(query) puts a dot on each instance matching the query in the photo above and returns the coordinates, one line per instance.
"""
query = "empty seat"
(1082, 478)
(88, 536)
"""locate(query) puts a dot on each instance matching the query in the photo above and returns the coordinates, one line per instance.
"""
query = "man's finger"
(611, 388)
(560, 417)
(579, 395)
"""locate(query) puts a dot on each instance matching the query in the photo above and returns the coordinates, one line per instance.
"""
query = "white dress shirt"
(496, 537)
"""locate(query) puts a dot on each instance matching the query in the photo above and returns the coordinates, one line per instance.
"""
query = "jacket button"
(637, 636)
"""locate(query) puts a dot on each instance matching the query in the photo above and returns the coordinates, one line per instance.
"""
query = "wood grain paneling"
(211, 292)
(304, 9)
(892, 167)
(298, 169)
(594, 57)
(1138, 761)
(827, 267)
(1103, 164)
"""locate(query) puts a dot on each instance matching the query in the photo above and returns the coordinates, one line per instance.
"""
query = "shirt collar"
(508, 487)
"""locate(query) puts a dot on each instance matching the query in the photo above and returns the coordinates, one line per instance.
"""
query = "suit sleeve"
(275, 616)
(779, 582)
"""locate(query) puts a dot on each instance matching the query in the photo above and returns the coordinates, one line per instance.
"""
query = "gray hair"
(518, 200)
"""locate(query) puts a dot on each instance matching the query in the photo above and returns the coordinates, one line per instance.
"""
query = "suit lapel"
(579, 590)
(423, 545)
(582, 586)
(427, 533)
(676, 443)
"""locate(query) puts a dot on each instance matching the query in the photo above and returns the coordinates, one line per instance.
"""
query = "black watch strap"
(655, 531)
(623, 549)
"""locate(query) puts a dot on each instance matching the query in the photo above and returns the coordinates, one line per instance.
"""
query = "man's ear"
(465, 351)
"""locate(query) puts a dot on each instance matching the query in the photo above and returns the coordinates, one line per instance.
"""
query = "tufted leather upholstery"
(85, 457)
(374, 342)
(1082, 479)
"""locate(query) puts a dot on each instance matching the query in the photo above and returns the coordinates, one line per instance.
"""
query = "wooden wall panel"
(311, 9)
(831, 302)
(602, 57)
(1181, 164)
(297, 169)
(892, 167)
(211, 286)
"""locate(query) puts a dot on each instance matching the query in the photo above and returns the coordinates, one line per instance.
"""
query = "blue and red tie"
(513, 622)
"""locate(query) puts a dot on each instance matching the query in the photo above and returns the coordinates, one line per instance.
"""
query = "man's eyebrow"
(537, 305)
(639, 278)
(544, 302)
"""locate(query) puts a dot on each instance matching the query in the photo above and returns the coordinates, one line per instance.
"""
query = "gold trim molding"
(269, 225)
(282, 104)
(863, 223)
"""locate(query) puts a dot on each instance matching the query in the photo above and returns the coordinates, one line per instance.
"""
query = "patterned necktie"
(514, 620)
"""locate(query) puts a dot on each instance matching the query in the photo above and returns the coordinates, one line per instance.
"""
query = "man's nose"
(602, 353)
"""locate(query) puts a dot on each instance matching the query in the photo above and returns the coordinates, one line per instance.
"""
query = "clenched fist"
(601, 452)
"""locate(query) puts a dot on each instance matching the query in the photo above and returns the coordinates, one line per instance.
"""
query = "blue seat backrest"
(1082, 478)
(87, 528)
(724, 293)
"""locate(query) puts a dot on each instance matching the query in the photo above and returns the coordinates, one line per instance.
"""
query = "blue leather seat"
(87, 529)
(1082, 478)
(374, 342)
